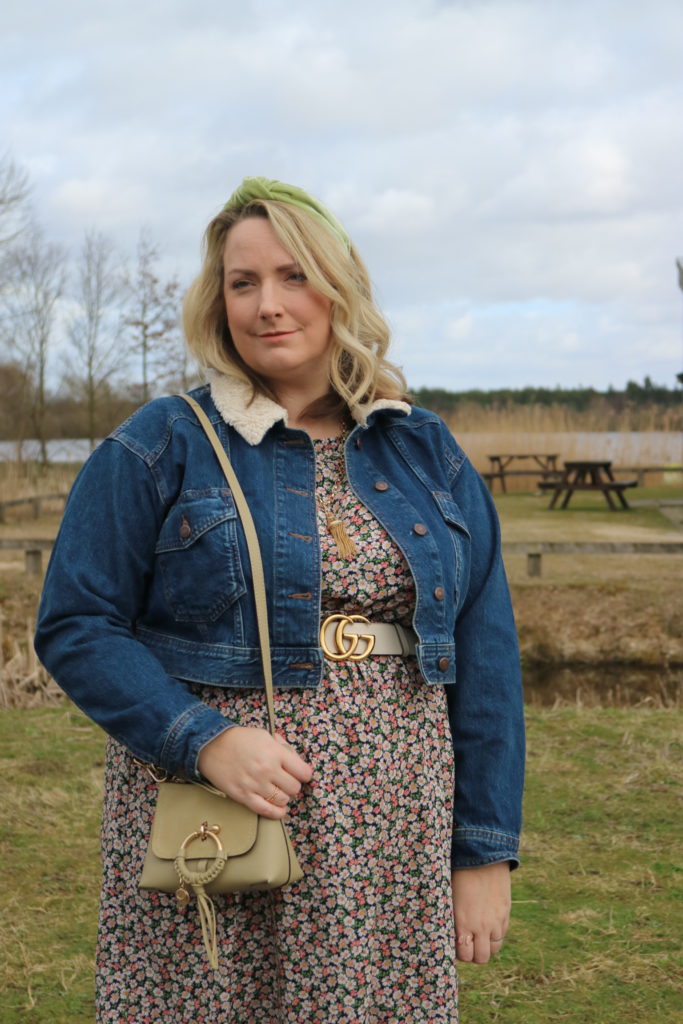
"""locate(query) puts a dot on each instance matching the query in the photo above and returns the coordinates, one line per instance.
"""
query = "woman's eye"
(298, 276)
(237, 286)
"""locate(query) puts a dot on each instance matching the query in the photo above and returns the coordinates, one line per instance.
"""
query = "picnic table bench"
(499, 467)
(587, 475)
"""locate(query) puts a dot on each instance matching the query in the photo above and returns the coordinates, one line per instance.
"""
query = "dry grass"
(30, 480)
(553, 419)
(24, 683)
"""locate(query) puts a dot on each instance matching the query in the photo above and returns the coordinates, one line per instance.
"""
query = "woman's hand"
(256, 769)
(481, 910)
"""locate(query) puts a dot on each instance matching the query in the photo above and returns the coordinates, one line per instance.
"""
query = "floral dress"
(366, 937)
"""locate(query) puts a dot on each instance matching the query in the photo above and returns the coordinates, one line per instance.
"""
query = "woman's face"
(279, 325)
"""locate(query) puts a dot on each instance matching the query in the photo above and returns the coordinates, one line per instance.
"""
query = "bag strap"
(254, 553)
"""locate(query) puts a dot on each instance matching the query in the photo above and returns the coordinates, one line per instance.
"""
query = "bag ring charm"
(200, 878)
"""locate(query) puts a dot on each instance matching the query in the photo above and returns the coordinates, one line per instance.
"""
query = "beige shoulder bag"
(201, 840)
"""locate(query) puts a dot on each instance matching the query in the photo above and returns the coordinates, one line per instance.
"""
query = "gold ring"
(270, 799)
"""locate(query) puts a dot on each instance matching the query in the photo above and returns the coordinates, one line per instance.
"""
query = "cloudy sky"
(511, 170)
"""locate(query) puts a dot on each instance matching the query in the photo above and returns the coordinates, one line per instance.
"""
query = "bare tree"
(14, 191)
(16, 388)
(181, 370)
(37, 279)
(95, 330)
(152, 318)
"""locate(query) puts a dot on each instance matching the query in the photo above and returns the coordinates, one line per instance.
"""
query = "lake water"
(57, 451)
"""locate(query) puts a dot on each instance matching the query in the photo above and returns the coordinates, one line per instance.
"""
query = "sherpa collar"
(252, 420)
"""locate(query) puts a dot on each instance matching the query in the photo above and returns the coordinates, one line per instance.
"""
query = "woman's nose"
(270, 303)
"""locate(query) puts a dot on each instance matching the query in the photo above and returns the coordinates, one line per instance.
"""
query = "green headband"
(263, 188)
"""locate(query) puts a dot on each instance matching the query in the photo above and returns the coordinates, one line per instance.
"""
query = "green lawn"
(526, 516)
(598, 915)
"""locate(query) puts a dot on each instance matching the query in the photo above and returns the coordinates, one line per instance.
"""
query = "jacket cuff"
(191, 731)
(473, 847)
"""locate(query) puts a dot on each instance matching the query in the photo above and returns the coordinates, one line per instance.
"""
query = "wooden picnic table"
(587, 475)
(499, 467)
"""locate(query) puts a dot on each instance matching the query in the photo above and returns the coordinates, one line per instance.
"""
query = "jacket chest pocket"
(460, 538)
(198, 556)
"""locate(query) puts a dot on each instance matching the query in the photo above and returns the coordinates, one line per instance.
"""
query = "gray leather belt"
(353, 638)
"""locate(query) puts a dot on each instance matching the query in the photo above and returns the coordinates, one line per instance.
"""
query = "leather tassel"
(345, 546)
(207, 916)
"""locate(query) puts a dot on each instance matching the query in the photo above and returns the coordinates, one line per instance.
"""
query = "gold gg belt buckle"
(346, 643)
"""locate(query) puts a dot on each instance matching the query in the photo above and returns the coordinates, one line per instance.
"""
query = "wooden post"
(34, 562)
(533, 563)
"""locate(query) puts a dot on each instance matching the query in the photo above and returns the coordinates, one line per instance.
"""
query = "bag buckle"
(155, 773)
(346, 643)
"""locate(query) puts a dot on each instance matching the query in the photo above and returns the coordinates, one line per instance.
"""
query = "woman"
(400, 775)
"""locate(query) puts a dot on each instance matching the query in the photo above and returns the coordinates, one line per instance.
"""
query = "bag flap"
(181, 810)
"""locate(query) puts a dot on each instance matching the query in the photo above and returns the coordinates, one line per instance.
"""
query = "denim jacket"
(148, 587)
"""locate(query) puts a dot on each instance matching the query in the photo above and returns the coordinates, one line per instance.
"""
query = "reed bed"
(24, 683)
(627, 450)
(551, 419)
(30, 479)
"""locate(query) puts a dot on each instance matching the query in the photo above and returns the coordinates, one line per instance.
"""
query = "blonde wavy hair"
(359, 371)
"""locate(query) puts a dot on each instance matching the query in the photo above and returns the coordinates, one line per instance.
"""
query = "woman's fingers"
(478, 949)
(464, 946)
(481, 904)
(258, 770)
(292, 762)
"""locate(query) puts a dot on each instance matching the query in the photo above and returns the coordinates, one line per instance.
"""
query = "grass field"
(598, 903)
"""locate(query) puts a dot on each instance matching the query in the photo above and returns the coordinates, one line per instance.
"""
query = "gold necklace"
(331, 506)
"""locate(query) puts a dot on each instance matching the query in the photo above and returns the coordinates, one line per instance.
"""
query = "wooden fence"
(534, 550)
(35, 503)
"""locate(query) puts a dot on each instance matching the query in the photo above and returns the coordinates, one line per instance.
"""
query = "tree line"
(634, 395)
(106, 328)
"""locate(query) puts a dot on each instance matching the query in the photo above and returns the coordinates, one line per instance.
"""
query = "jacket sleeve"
(485, 705)
(94, 590)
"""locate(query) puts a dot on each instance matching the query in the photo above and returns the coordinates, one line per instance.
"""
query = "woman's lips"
(270, 335)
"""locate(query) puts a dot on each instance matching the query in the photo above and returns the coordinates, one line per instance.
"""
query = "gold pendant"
(345, 546)
(182, 896)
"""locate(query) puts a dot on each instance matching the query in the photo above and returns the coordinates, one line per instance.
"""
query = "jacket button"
(443, 664)
(381, 485)
(185, 529)
(439, 593)
(420, 529)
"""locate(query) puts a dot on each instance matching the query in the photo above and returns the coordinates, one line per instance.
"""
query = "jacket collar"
(253, 419)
